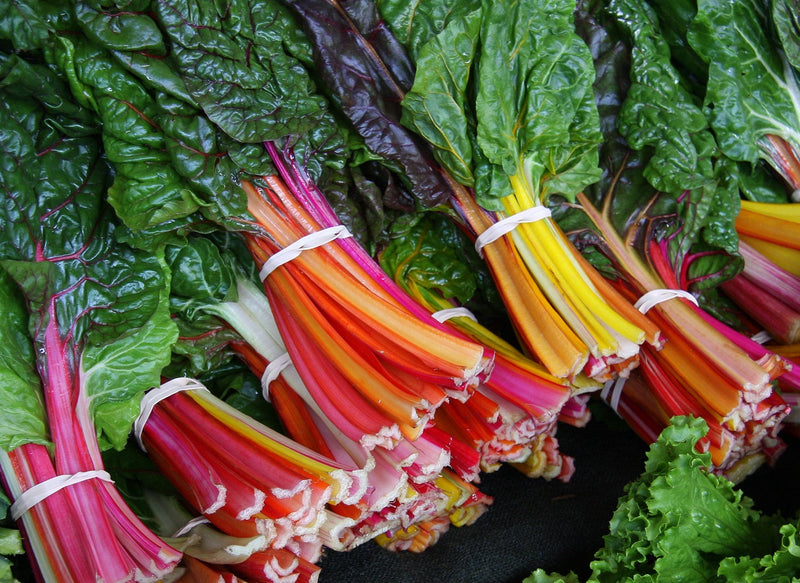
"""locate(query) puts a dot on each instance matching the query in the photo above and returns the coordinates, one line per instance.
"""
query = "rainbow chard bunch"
(273, 490)
(673, 196)
(416, 426)
(86, 332)
(541, 141)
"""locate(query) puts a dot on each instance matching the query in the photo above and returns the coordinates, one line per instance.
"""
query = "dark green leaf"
(232, 60)
(751, 92)
(786, 17)
(22, 417)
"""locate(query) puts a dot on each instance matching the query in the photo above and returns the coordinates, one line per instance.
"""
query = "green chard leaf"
(22, 418)
(234, 63)
(662, 120)
(786, 18)
(428, 252)
(535, 106)
(415, 23)
(499, 112)
(437, 106)
(28, 25)
(659, 112)
(752, 90)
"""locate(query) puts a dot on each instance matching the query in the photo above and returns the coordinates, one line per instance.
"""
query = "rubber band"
(196, 521)
(310, 241)
(154, 396)
(508, 224)
(656, 296)
(273, 371)
(615, 388)
(761, 337)
(35, 494)
(447, 313)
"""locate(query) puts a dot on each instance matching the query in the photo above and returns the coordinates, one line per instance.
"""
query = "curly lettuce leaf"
(679, 522)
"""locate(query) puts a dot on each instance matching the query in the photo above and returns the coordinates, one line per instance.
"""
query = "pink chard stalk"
(93, 318)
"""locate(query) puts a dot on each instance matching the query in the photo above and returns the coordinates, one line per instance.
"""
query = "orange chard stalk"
(383, 317)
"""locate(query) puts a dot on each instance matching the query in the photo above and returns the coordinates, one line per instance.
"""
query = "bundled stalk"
(703, 369)
(271, 487)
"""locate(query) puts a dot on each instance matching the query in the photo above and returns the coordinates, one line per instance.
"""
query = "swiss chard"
(100, 331)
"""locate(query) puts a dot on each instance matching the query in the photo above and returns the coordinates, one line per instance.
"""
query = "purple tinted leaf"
(368, 94)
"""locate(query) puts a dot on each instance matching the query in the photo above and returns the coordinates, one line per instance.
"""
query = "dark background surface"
(536, 523)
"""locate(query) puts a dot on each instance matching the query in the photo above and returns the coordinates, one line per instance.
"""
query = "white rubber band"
(153, 396)
(35, 494)
(656, 296)
(197, 520)
(508, 224)
(615, 389)
(761, 337)
(310, 241)
(447, 313)
(273, 371)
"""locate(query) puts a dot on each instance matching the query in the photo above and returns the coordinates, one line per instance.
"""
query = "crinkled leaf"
(147, 191)
(622, 168)
(200, 276)
(437, 106)
(536, 116)
(679, 522)
(758, 183)
(117, 372)
(425, 251)
(28, 24)
(661, 119)
(659, 111)
(233, 63)
(367, 93)
(133, 37)
(513, 100)
(675, 18)
(108, 301)
(781, 565)
(541, 576)
(751, 89)
(414, 23)
(428, 251)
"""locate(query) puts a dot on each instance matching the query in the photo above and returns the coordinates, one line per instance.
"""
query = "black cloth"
(534, 523)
